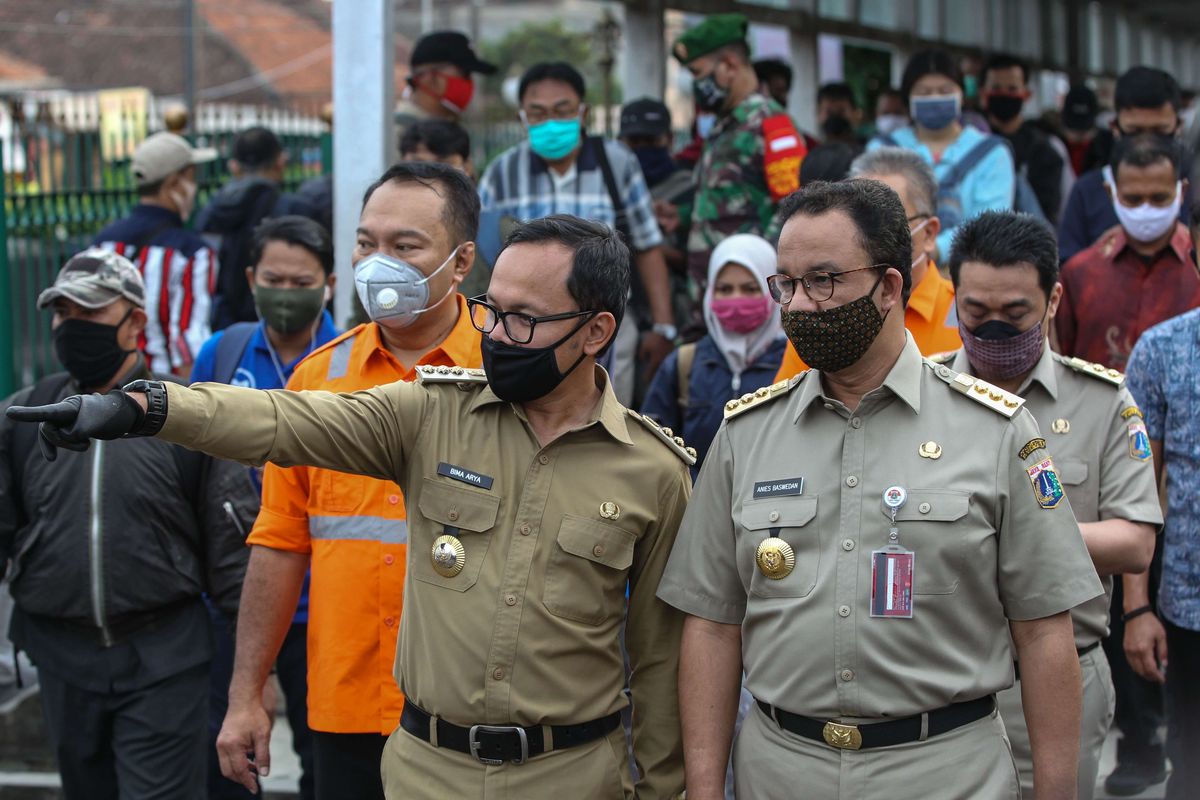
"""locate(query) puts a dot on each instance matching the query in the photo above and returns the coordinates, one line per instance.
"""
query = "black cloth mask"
(1004, 107)
(521, 374)
(89, 350)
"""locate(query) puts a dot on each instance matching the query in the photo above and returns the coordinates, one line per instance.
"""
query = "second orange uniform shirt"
(930, 317)
(355, 529)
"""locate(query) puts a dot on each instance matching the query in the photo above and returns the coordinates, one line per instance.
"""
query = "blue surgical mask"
(554, 138)
(705, 123)
(935, 112)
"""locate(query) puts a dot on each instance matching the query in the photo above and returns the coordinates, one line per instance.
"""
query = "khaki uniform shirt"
(1086, 420)
(986, 551)
(527, 632)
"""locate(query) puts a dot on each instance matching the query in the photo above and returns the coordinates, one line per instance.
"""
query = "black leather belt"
(880, 734)
(1081, 651)
(496, 744)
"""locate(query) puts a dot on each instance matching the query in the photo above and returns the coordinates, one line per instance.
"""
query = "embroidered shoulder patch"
(1139, 441)
(1030, 446)
(1131, 411)
(1047, 488)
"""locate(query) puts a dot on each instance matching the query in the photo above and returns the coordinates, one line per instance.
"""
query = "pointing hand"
(74, 422)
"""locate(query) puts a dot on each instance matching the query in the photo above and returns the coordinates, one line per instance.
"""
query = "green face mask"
(288, 310)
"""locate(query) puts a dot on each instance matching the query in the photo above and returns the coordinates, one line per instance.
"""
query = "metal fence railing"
(65, 175)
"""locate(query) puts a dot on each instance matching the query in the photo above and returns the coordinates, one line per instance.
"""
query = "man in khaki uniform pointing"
(1005, 272)
(862, 540)
(535, 499)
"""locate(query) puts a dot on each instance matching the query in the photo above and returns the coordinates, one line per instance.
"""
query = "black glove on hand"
(74, 422)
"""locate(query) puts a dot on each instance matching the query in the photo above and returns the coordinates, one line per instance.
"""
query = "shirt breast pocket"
(588, 569)
(927, 527)
(793, 519)
(464, 513)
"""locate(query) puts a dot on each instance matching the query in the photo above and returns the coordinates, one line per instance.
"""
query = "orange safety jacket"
(355, 529)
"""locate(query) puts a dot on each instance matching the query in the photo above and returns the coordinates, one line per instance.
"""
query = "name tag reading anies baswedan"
(465, 475)
(779, 488)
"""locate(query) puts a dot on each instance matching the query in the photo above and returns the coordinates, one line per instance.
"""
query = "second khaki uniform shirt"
(986, 551)
(1089, 420)
(527, 632)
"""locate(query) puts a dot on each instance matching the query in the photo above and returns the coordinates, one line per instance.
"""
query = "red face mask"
(457, 94)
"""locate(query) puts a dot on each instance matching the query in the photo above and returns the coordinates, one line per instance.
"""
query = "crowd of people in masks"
(660, 421)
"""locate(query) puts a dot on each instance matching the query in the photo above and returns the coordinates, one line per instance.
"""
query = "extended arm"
(652, 269)
(1052, 694)
(710, 676)
(1118, 545)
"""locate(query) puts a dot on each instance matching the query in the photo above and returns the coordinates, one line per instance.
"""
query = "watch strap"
(155, 415)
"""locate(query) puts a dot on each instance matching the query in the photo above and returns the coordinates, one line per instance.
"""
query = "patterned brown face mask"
(835, 338)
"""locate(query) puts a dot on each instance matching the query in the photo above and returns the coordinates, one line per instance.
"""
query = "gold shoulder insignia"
(443, 374)
(1106, 374)
(942, 358)
(980, 391)
(678, 446)
(763, 395)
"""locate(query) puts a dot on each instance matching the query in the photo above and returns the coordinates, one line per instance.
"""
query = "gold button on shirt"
(527, 632)
(986, 551)
(1092, 456)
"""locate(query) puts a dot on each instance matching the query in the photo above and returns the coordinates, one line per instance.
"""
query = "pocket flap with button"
(1072, 473)
(596, 541)
(790, 512)
(933, 505)
(464, 508)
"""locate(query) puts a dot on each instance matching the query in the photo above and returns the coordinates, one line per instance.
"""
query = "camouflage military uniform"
(750, 162)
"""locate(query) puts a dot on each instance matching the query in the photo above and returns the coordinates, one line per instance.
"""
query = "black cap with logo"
(449, 47)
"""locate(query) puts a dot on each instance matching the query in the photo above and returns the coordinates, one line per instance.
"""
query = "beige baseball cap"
(164, 154)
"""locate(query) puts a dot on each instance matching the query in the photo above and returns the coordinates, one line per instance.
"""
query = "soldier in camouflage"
(752, 157)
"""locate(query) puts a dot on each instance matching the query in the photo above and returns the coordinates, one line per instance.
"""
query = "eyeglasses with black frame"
(818, 285)
(518, 326)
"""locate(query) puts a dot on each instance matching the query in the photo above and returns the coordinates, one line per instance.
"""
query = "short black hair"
(1004, 61)
(928, 62)
(552, 71)
(256, 148)
(1006, 239)
(1145, 149)
(294, 230)
(837, 90)
(441, 137)
(767, 68)
(460, 211)
(881, 225)
(1146, 87)
(600, 267)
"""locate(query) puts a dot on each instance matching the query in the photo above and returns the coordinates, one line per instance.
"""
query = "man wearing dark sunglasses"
(541, 516)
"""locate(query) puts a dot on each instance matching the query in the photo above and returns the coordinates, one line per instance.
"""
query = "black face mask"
(1004, 107)
(89, 350)
(708, 94)
(520, 374)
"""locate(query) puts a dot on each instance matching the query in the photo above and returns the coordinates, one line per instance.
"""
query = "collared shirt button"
(393, 499)
(846, 675)
(847, 544)
(453, 515)
(852, 481)
(856, 422)
(924, 508)
(598, 550)
(843, 611)
(543, 459)
(498, 674)
(389, 621)
(510, 599)
(389, 559)
(829, 406)
(773, 516)
(525, 529)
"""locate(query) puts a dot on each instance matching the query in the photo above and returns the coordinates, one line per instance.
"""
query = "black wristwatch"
(155, 415)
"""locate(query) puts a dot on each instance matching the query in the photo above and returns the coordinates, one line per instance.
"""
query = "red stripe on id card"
(892, 583)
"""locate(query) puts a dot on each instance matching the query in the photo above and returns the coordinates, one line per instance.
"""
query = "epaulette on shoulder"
(444, 374)
(676, 443)
(760, 397)
(1106, 374)
(942, 358)
(995, 398)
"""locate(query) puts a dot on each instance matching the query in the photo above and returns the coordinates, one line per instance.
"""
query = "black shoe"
(1138, 768)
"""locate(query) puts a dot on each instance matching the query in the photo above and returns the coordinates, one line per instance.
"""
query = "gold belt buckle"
(843, 737)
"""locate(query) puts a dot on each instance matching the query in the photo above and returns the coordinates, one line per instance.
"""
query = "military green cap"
(714, 33)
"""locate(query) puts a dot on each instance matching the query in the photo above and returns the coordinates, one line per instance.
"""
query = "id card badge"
(892, 583)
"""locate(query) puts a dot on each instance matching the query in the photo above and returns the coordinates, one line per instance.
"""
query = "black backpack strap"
(970, 159)
(610, 183)
(230, 349)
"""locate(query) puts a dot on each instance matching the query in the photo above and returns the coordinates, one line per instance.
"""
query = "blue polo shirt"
(257, 370)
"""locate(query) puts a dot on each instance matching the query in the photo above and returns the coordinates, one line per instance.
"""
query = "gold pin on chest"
(448, 556)
(1061, 425)
(610, 510)
(775, 558)
(930, 449)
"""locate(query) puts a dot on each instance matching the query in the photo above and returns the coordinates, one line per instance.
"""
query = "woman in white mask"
(740, 353)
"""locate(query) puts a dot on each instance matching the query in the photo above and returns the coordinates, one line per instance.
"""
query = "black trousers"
(291, 667)
(146, 744)
(1183, 712)
(347, 765)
